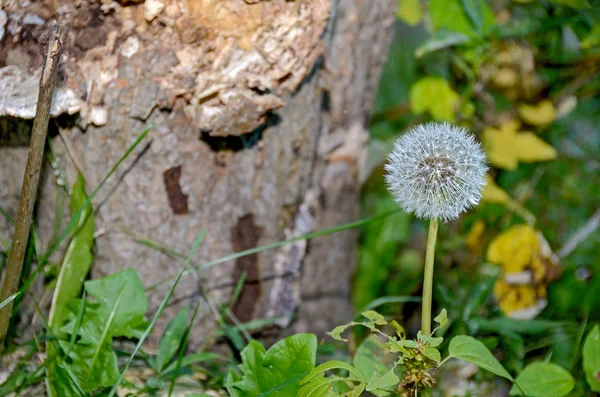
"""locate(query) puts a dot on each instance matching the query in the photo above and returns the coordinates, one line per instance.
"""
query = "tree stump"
(259, 112)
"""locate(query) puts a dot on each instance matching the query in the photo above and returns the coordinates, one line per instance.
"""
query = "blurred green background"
(524, 77)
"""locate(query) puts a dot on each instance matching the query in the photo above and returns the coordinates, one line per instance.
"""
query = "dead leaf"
(541, 114)
(506, 146)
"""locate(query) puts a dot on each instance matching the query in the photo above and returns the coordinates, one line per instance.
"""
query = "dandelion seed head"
(436, 170)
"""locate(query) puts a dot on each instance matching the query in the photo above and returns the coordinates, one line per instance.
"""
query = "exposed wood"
(14, 264)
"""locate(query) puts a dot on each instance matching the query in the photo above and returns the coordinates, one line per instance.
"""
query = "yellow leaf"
(506, 146)
(541, 114)
(522, 302)
(530, 148)
(409, 11)
(475, 235)
(435, 95)
(492, 193)
(524, 255)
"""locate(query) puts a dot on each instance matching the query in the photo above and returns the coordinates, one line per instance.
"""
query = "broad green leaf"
(287, 359)
(434, 94)
(369, 361)
(410, 12)
(78, 259)
(316, 384)
(171, 338)
(591, 358)
(374, 316)
(379, 385)
(474, 11)
(470, 349)
(103, 360)
(286, 362)
(543, 380)
(121, 294)
(450, 15)
(440, 40)
(432, 353)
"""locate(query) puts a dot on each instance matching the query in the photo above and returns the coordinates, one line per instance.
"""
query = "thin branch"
(31, 178)
(580, 235)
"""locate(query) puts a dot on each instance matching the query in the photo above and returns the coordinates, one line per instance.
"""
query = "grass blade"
(161, 308)
(73, 223)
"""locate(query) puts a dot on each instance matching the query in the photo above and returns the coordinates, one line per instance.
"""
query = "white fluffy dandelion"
(436, 170)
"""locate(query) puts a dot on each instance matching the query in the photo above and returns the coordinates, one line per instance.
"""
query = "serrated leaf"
(442, 318)
(280, 369)
(434, 95)
(374, 316)
(432, 353)
(171, 338)
(591, 358)
(543, 380)
(470, 349)
(440, 40)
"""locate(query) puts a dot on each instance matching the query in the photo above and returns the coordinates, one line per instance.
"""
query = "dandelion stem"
(428, 278)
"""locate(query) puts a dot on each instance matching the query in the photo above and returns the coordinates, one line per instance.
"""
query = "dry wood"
(32, 175)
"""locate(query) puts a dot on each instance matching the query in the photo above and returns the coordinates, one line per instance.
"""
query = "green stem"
(428, 278)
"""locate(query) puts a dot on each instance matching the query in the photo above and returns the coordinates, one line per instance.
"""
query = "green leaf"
(316, 384)
(591, 358)
(450, 15)
(378, 385)
(369, 361)
(442, 318)
(470, 349)
(171, 338)
(103, 360)
(474, 11)
(122, 295)
(434, 94)
(440, 40)
(432, 353)
(337, 332)
(409, 11)
(78, 259)
(374, 317)
(544, 380)
(263, 371)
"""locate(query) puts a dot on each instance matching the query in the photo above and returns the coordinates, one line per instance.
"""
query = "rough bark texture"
(259, 114)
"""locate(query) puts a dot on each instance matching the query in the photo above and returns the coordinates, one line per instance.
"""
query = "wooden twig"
(580, 235)
(31, 178)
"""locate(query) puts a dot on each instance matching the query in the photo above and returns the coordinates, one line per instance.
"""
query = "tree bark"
(259, 112)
